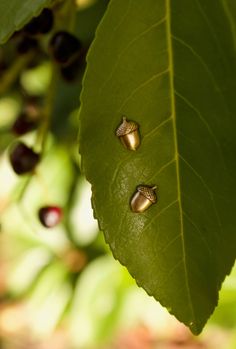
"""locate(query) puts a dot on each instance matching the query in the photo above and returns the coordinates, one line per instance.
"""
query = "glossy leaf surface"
(171, 67)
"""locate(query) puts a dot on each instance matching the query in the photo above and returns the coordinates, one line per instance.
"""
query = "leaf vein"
(171, 242)
(199, 231)
(142, 85)
(146, 31)
(155, 129)
(123, 17)
(176, 266)
(162, 169)
(210, 27)
(201, 117)
(206, 187)
(159, 214)
(201, 60)
(169, 43)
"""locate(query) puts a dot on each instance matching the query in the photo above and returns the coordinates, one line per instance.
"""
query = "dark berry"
(50, 216)
(26, 44)
(3, 66)
(71, 71)
(23, 159)
(41, 24)
(16, 34)
(65, 47)
(23, 124)
(3, 63)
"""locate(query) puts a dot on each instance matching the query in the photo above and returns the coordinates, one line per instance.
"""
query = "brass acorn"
(128, 132)
(143, 198)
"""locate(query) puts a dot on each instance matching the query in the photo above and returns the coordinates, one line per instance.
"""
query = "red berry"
(50, 216)
(41, 24)
(23, 124)
(23, 159)
(65, 47)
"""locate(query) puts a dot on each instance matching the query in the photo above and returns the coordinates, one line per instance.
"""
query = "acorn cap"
(148, 192)
(126, 127)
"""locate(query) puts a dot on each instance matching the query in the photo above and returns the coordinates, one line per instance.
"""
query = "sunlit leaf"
(49, 299)
(98, 300)
(170, 66)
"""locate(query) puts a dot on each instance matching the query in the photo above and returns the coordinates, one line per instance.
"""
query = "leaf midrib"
(173, 113)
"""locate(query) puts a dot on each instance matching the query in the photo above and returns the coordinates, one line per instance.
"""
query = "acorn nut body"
(143, 198)
(128, 132)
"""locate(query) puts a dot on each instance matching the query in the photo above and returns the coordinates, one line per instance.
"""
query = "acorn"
(143, 198)
(128, 132)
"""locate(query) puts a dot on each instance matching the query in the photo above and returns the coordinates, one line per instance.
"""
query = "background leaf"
(170, 66)
(15, 14)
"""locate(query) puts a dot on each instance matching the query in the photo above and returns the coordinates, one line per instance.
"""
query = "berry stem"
(72, 19)
(70, 204)
(10, 76)
(46, 113)
(23, 189)
(68, 15)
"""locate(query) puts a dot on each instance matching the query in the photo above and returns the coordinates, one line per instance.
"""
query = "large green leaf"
(170, 66)
(15, 13)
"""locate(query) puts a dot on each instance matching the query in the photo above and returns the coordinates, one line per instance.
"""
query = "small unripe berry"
(65, 47)
(23, 159)
(50, 216)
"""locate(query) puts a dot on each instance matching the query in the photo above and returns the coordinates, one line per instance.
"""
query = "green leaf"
(14, 14)
(170, 66)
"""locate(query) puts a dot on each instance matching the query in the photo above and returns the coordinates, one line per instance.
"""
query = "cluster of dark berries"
(22, 158)
(67, 52)
(65, 48)
(29, 35)
(42, 24)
